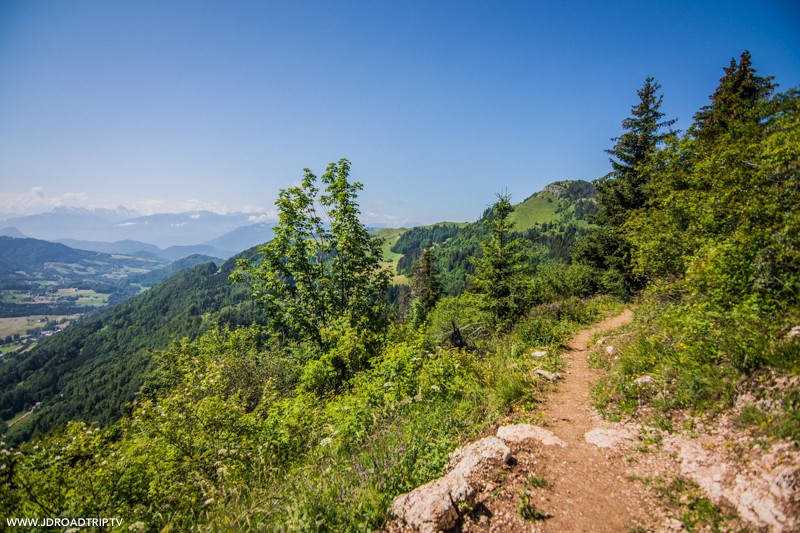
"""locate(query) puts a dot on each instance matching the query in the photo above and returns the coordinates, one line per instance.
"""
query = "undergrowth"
(230, 437)
(690, 506)
(694, 354)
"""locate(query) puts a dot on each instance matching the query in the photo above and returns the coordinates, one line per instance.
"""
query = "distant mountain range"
(167, 235)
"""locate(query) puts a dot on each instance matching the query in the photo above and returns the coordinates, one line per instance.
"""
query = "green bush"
(462, 316)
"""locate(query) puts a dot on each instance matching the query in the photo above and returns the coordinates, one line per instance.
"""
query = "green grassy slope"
(390, 258)
(540, 208)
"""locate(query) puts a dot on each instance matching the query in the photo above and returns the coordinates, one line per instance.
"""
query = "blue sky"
(172, 105)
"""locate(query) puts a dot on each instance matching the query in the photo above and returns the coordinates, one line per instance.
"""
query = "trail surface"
(588, 484)
(589, 487)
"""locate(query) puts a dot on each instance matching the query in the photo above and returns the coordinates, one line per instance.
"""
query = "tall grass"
(407, 414)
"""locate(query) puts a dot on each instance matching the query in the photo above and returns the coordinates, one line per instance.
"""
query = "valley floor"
(584, 474)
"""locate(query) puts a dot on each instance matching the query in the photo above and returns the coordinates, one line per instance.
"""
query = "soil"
(588, 488)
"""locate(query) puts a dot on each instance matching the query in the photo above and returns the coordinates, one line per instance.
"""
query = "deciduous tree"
(317, 272)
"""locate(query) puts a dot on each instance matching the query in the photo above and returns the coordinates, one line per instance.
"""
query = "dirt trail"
(587, 486)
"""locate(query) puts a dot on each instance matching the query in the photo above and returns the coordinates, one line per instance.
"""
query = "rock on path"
(435, 506)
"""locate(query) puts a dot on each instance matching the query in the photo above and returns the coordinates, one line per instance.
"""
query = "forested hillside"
(92, 369)
(32, 256)
(154, 277)
(550, 221)
(329, 403)
(35, 266)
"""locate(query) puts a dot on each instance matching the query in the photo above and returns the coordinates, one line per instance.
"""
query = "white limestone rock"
(522, 432)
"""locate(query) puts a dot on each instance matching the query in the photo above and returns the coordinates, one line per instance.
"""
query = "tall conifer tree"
(502, 273)
(624, 189)
(737, 99)
(426, 289)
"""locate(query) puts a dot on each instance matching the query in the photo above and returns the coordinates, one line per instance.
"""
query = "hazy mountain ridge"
(33, 258)
(244, 237)
(12, 232)
(163, 230)
(126, 246)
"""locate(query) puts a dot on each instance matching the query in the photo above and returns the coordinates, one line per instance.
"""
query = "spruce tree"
(426, 289)
(737, 99)
(624, 189)
(502, 273)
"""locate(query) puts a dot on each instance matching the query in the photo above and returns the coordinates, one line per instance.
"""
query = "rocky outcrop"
(465, 460)
(435, 506)
(764, 490)
(550, 376)
(606, 438)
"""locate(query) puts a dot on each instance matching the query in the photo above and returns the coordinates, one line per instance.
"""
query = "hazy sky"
(172, 106)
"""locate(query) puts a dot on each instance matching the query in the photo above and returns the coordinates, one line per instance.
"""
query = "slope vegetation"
(92, 369)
